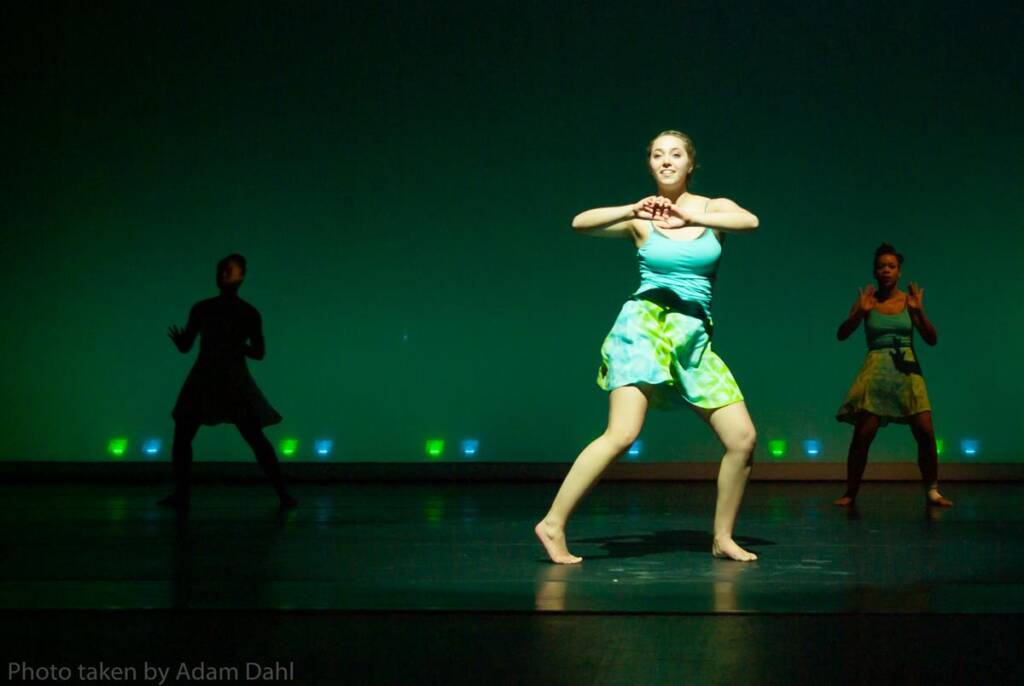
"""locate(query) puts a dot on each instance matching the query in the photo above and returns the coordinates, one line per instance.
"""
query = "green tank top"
(685, 268)
(889, 330)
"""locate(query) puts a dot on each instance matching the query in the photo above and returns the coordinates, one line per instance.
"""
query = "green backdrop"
(401, 177)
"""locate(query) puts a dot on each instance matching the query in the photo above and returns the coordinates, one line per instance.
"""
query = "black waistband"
(669, 300)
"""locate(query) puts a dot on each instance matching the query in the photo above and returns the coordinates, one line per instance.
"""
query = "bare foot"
(936, 499)
(726, 549)
(845, 501)
(553, 541)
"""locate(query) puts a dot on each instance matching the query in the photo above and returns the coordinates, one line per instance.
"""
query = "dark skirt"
(217, 393)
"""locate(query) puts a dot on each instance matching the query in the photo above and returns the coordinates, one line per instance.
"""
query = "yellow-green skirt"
(889, 385)
(667, 354)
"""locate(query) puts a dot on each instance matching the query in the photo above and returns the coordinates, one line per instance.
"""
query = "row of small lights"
(435, 447)
(812, 448)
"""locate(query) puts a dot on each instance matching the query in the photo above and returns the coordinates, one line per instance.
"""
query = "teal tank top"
(687, 268)
(889, 330)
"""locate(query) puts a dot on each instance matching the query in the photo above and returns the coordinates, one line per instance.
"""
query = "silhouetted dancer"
(219, 389)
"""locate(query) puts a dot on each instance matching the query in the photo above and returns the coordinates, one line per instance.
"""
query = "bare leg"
(263, 450)
(928, 458)
(627, 407)
(736, 431)
(857, 458)
(181, 463)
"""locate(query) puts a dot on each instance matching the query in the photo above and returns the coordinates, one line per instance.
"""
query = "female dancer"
(219, 388)
(889, 387)
(658, 352)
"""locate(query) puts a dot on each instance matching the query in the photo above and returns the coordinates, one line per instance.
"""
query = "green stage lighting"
(289, 446)
(435, 448)
(117, 447)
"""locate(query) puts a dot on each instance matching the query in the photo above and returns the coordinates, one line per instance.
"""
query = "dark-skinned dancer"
(890, 387)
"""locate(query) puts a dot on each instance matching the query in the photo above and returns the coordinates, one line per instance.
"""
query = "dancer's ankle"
(553, 525)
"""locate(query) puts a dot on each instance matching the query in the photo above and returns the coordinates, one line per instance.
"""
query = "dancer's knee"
(923, 435)
(620, 439)
(863, 436)
(254, 436)
(184, 433)
(741, 442)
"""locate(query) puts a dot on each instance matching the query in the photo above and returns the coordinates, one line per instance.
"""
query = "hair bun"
(888, 249)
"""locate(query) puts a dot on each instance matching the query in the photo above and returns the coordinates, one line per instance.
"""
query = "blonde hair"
(691, 151)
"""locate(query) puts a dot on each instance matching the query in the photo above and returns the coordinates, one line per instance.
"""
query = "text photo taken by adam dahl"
(149, 673)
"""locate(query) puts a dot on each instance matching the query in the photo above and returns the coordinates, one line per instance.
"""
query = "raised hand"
(644, 209)
(177, 336)
(866, 299)
(915, 297)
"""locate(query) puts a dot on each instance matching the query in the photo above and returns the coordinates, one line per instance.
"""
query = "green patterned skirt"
(668, 354)
(889, 385)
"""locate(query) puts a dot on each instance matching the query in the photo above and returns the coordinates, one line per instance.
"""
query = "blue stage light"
(323, 446)
(636, 448)
(812, 447)
(470, 446)
(969, 447)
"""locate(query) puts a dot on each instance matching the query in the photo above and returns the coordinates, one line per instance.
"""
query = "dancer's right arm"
(864, 303)
(184, 338)
(617, 222)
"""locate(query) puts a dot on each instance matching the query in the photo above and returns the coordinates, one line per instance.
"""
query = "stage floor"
(443, 583)
(470, 548)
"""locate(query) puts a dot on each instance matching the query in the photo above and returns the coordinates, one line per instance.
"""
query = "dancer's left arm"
(722, 215)
(915, 306)
(256, 348)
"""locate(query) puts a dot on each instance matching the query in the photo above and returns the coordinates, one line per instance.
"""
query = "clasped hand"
(663, 211)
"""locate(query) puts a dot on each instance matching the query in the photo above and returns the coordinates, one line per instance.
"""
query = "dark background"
(401, 177)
